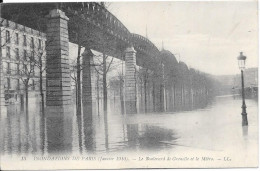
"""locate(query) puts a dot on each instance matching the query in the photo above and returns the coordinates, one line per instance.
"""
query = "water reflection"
(245, 131)
(88, 135)
(42, 133)
(149, 137)
(79, 123)
(57, 141)
(27, 132)
(154, 137)
(31, 132)
(132, 135)
(106, 131)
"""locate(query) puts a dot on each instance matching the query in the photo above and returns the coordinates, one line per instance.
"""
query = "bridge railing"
(144, 45)
(99, 16)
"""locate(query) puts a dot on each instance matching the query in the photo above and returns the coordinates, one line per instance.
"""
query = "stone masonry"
(58, 85)
(2, 98)
(58, 71)
(130, 81)
(87, 99)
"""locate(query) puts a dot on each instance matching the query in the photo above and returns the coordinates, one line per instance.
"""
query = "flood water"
(216, 127)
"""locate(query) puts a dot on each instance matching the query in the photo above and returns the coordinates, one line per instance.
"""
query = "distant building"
(230, 84)
(19, 45)
(250, 78)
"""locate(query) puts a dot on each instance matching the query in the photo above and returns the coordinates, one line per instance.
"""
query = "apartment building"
(22, 49)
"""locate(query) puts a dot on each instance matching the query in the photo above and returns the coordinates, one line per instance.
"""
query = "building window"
(17, 69)
(18, 84)
(33, 85)
(32, 56)
(24, 68)
(24, 55)
(32, 42)
(8, 83)
(24, 40)
(32, 70)
(8, 70)
(17, 53)
(17, 38)
(8, 51)
(40, 44)
(7, 36)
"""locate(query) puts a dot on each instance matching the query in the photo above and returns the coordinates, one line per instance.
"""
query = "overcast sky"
(207, 35)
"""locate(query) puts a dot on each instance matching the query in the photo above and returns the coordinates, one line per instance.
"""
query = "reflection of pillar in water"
(4, 133)
(9, 130)
(25, 131)
(14, 128)
(59, 134)
(132, 135)
(19, 132)
(88, 134)
(42, 133)
(79, 124)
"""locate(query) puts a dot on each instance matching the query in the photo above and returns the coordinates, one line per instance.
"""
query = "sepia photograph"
(129, 85)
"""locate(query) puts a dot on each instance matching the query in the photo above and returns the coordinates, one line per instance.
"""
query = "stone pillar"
(93, 85)
(3, 109)
(87, 84)
(58, 87)
(163, 101)
(130, 82)
(158, 89)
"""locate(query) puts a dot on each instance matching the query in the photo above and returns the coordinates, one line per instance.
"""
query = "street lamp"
(241, 64)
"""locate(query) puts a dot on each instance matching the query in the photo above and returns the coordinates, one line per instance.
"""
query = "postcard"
(124, 85)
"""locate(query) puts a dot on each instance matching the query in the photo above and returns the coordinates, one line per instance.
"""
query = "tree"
(121, 88)
(117, 83)
(26, 73)
(144, 74)
(78, 25)
(73, 76)
(17, 13)
(102, 69)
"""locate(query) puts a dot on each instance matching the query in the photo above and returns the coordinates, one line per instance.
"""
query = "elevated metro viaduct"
(92, 26)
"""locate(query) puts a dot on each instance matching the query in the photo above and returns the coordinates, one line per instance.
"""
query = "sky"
(207, 36)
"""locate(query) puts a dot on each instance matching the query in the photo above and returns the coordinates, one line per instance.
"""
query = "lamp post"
(241, 64)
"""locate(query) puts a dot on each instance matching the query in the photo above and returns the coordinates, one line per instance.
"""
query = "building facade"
(22, 49)
(250, 78)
